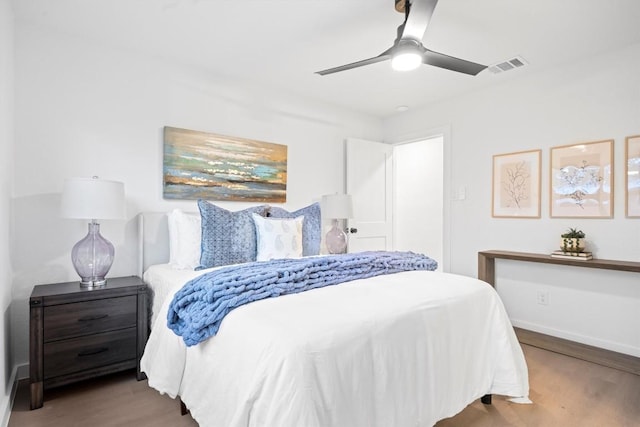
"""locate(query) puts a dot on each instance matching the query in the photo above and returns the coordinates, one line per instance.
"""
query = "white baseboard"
(583, 339)
(23, 371)
(20, 371)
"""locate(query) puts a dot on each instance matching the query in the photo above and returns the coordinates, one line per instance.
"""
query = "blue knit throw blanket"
(198, 308)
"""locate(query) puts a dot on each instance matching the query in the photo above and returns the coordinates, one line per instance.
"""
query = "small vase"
(572, 244)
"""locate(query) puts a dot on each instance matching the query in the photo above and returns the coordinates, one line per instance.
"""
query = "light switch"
(459, 193)
(462, 193)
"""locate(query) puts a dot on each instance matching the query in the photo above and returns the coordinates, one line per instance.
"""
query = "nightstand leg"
(143, 328)
(37, 395)
(140, 375)
(36, 352)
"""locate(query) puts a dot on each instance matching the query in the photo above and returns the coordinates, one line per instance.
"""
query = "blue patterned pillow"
(227, 237)
(311, 227)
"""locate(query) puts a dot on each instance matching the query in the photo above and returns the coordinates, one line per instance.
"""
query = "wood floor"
(566, 392)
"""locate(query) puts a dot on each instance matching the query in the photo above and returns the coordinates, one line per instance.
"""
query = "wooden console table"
(612, 359)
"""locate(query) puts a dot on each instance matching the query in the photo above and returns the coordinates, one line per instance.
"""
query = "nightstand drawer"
(77, 354)
(89, 317)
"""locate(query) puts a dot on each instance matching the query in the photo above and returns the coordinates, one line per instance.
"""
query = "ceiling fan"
(407, 52)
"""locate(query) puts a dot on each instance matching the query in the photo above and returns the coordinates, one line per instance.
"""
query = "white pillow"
(278, 237)
(184, 239)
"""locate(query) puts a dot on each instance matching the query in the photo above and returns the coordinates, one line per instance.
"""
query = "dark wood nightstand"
(78, 333)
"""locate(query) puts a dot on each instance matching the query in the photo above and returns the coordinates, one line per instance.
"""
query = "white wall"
(589, 101)
(85, 109)
(6, 182)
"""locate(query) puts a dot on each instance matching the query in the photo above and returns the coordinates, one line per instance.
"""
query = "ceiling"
(279, 44)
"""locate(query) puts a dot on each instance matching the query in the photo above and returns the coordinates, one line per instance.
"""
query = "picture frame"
(201, 165)
(581, 180)
(516, 185)
(632, 176)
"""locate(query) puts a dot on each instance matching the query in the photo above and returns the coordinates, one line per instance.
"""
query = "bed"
(406, 349)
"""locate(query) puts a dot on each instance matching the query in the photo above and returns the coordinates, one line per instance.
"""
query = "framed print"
(200, 165)
(632, 176)
(516, 185)
(582, 180)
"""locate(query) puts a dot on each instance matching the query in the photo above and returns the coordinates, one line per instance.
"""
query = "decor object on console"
(337, 207)
(572, 240)
(572, 246)
(578, 256)
(200, 165)
(93, 198)
(516, 185)
(632, 176)
(582, 180)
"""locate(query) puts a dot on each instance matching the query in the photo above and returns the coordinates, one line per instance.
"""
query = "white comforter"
(405, 349)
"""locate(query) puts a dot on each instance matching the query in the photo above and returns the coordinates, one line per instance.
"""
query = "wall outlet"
(543, 297)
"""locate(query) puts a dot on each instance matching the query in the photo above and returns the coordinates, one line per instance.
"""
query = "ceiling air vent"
(516, 62)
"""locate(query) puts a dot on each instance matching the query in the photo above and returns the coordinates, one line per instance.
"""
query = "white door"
(369, 181)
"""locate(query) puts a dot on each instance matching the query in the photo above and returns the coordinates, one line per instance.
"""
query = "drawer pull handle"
(92, 317)
(92, 352)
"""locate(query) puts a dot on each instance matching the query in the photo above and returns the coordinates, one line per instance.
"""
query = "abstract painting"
(200, 165)
(516, 185)
(582, 180)
(633, 176)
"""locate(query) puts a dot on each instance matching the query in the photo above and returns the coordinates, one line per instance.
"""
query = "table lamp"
(92, 198)
(337, 207)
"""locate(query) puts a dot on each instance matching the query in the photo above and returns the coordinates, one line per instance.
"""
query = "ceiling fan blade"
(451, 63)
(382, 57)
(420, 13)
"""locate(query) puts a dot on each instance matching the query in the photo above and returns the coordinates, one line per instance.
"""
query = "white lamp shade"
(92, 198)
(337, 206)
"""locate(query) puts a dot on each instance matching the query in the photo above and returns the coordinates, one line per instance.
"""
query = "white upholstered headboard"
(153, 240)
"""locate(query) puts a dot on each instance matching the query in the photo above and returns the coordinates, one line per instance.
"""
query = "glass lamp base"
(336, 239)
(97, 283)
(92, 258)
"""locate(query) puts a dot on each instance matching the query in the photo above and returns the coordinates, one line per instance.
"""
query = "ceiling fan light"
(406, 61)
(407, 56)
